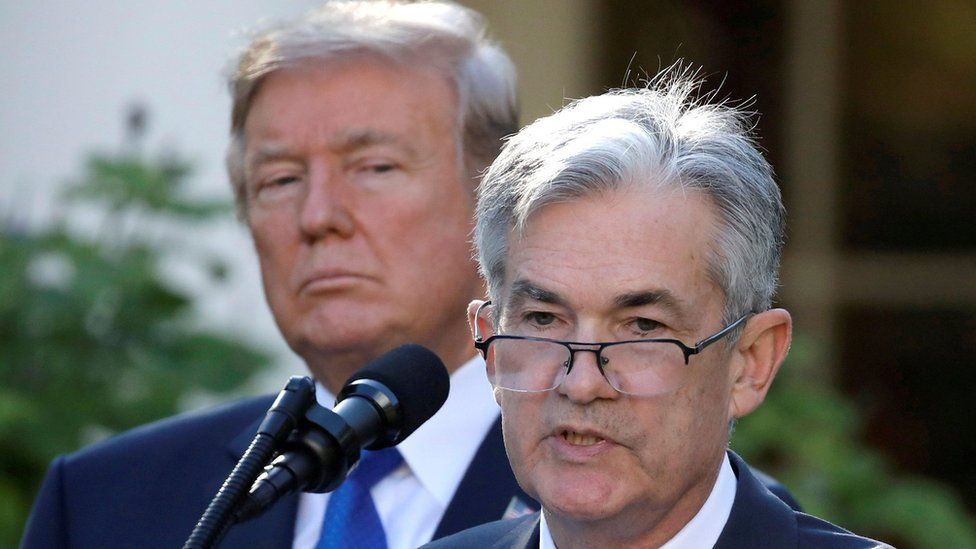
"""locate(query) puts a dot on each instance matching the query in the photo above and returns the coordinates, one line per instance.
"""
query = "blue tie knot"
(374, 465)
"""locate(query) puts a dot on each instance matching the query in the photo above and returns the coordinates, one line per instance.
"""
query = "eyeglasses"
(641, 367)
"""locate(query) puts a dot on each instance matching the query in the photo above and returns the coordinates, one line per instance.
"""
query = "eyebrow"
(348, 141)
(663, 298)
(523, 289)
(358, 138)
(269, 151)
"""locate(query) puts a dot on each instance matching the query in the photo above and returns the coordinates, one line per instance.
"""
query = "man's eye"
(540, 318)
(275, 187)
(378, 167)
(282, 181)
(645, 325)
(277, 181)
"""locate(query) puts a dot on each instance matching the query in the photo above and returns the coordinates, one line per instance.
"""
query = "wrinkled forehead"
(613, 249)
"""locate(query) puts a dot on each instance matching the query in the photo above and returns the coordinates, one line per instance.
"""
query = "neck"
(332, 369)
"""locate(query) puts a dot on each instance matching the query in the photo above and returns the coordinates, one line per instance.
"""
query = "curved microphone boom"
(380, 405)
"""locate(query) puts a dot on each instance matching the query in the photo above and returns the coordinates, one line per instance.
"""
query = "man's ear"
(484, 330)
(484, 327)
(497, 393)
(758, 354)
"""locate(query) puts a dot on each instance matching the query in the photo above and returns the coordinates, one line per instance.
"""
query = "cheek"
(269, 229)
(441, 201)
(702, 412)
(408, 229)
(276, 250)
(429, 245)
(520, 425)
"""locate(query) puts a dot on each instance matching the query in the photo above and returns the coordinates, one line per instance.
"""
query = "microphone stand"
(284, 415)
(316, 446)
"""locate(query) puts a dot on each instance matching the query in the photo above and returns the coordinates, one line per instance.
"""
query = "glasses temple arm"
(477, 329)
(719, 335)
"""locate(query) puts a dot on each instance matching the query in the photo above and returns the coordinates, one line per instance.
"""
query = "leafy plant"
(806, 434)
(93, 340)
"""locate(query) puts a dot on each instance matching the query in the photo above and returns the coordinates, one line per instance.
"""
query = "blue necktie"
(351, 520)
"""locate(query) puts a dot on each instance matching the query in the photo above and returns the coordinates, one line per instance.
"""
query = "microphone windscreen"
(416, 376)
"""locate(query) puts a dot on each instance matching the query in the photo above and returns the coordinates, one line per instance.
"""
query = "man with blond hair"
(358, 133)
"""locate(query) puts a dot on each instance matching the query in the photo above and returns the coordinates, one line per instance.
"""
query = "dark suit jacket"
(758, 519)
(149, 486)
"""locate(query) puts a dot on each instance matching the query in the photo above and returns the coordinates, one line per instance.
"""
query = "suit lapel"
(488, 490)
(758, 518)
(532, 540)
(525, 536)
(238, 445)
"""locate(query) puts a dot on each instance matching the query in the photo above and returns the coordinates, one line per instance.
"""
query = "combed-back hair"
(666, 135)
(438, 34)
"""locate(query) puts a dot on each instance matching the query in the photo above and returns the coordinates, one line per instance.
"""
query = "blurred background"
(129, 292)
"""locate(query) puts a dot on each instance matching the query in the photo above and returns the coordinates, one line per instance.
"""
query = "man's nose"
(325, 208)
(585, 382)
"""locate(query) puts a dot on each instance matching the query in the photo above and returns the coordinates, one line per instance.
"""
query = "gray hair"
(442, 35)
(660, 137)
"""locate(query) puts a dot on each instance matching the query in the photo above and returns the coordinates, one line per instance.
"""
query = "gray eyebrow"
(523, 289)
(648, 297)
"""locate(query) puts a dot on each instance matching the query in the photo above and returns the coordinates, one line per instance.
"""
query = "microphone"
(381, 405)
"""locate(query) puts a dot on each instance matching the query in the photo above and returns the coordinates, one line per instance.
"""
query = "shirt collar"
(545, 537)
(703, 530)
(439, 451)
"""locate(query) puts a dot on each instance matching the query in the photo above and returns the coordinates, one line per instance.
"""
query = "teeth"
(577, 439)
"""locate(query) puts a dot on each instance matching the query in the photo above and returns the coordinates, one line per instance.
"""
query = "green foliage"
(122, 182)
(806, 435)
(92, 340)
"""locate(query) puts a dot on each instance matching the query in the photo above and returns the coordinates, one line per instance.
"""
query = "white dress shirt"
(412, 499)
(703, 530)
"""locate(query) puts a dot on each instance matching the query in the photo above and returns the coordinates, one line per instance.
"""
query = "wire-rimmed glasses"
(642, 367)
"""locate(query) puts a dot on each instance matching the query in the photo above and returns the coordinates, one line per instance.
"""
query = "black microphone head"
(418, 379)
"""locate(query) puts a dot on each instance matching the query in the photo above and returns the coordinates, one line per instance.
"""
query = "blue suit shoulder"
(761, 519)
(190, 431)
(815, 532)
(152, 481)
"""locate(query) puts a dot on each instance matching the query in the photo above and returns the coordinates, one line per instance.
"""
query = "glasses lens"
(644, 368)
(527, 365)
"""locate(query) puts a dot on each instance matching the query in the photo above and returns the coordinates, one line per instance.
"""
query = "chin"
(337, 345)
(582, 501)
(337, 327)
(327, 342)
(580, 510)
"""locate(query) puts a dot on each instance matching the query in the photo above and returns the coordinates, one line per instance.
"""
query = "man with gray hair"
(631, 244)
(358, 134)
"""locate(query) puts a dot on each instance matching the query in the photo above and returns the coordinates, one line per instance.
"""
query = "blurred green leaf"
(806, 434)
(92, 340)
(128, 181)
